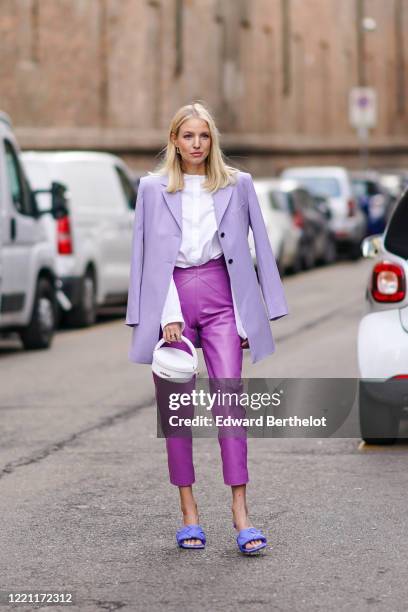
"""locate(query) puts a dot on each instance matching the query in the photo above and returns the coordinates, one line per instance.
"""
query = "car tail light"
(351, 206)
(388, 282)
(400, 377)
(64, 237)
(298, 219)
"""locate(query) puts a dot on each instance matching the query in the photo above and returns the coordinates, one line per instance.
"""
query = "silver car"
(348, 222)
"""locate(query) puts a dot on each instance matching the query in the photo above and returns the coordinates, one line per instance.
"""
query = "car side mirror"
(372, 246)
(59, 204)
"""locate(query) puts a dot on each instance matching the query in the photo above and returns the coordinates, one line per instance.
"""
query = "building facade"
(109, 74)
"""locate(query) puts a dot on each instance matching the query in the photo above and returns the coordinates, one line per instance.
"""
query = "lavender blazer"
(155, 246)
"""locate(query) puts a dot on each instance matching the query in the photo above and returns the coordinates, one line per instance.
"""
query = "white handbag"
(173, 363)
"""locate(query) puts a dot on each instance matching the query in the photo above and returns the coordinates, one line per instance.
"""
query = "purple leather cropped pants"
(207, 307)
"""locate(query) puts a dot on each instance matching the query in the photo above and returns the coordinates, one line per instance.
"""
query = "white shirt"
(199, 244)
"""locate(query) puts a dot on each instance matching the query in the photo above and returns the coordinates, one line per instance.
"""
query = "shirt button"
(222, 234)
(230, 260)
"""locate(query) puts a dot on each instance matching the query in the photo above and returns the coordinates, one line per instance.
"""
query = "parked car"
(283, 234)
(383, 332)
(395, 180)
(348, 222)
(311, 215)
(135, 178)
(374, 199)
(92, 241)
(27, 262)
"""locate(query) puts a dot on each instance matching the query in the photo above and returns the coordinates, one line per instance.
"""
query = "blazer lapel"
(173, 201)
(221, 200)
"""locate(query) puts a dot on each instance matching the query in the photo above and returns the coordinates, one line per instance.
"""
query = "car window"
(273, 201)
(292, 202)
(362, 188)
(396, 235)
(127, 187)
(359, 188)
(303, 198)
(372, 188)
(282, 198)
(19, 188)
(321, 185)
(38, 173)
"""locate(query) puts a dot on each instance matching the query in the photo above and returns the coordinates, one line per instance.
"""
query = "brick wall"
(108, 74)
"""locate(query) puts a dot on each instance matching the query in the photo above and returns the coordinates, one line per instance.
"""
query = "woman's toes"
(192, 542)
(252, 544)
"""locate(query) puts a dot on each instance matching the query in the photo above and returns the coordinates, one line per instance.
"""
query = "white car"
(283, 234)
(92, 242)
(383, 332)
(348, 222)
(27, 263)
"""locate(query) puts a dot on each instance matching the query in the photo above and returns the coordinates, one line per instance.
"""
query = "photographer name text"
(260, 421)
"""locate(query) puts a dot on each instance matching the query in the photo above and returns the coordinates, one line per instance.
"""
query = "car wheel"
(39, 333)
(309, 259)
(84, 314)
(355, 251)
(379, 422)
(330, 254)
(296, 265)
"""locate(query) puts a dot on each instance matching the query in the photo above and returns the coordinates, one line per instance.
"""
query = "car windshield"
(360, 189)
(396, 236)
(282, 199)
(321, 185)
(278, 200)
(363, 189)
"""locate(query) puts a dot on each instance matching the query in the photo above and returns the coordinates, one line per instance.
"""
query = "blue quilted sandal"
(248, 535)
(190, 532)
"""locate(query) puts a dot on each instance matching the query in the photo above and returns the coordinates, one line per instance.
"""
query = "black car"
(311, 214)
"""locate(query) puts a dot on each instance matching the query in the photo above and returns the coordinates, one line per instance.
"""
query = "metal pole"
(363, 136)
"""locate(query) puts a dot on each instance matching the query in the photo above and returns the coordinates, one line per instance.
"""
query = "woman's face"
(194, 142)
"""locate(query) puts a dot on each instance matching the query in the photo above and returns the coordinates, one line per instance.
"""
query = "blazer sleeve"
(271, 284)
(136, 262)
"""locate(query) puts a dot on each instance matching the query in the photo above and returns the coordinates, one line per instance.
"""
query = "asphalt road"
(86, 507)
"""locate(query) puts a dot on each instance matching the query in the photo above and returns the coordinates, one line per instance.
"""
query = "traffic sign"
(363, 107)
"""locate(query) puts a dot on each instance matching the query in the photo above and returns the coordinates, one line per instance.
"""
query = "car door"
(19, 233)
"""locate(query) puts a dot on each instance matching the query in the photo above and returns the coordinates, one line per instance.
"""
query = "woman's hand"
(244, 343)
(172, 332)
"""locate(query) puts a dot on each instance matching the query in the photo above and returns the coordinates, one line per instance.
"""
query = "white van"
(283, 234)
(348, 221)
(27, 261)
(92, 243)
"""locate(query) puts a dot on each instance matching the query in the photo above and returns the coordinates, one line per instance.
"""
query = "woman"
(192, 273)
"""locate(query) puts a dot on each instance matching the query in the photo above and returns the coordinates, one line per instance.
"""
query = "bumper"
(71, 286)
(349, 230)
(391, 393)
(382, 345)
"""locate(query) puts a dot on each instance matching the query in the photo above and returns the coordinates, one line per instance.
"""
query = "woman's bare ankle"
(190, 513)
(240, 514)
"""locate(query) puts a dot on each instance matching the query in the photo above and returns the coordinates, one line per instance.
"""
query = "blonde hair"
(219, 174)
